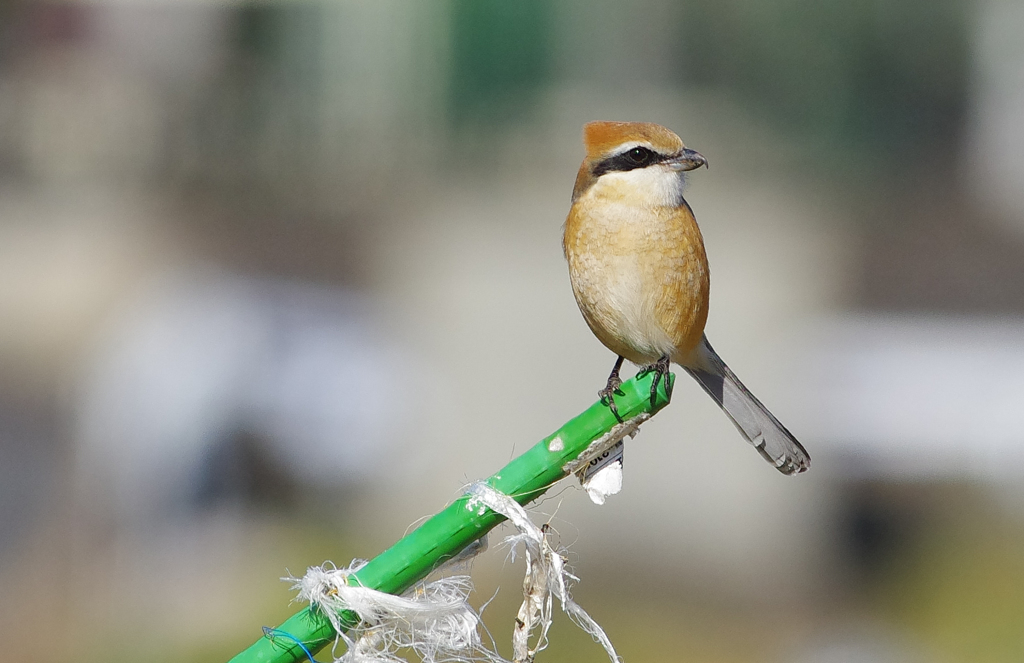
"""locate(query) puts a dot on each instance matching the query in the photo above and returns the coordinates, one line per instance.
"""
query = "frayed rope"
(546, 577)
(434, 619)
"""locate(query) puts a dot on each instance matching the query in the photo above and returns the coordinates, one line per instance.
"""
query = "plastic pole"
(446, 534)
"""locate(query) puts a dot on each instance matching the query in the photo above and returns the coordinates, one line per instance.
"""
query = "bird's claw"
(608, 395)
(611, 388)
(660, 369)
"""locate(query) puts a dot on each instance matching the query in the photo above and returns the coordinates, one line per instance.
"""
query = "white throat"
(653, 186)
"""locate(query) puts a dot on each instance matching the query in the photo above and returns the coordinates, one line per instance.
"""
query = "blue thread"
(272, 633)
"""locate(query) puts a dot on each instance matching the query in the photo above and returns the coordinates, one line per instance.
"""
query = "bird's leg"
(661, 368)
(608, 393)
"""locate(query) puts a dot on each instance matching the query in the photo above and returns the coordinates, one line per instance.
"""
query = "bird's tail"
(754, 421)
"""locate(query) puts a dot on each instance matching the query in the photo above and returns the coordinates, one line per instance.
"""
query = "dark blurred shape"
(239, 471)
(879, 523)
(263, 37)
(314, 108)
(320, 250)
(930, 252)
(872, 77)
(501, 58)
(30, 462)
(52, 23)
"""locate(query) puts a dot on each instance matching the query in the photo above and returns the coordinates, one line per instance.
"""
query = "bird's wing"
(754, 421)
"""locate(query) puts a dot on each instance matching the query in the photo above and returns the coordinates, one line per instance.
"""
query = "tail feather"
(771, 439)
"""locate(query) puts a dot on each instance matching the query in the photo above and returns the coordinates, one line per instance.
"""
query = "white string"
(546, 576)
(433, 619)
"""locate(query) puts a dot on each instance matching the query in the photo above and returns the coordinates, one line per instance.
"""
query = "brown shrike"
(640, 273)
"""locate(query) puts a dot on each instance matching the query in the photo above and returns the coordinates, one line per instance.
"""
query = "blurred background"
(278, 279)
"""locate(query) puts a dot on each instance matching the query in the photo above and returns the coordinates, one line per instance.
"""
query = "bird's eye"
(621, 162)
(639, 155)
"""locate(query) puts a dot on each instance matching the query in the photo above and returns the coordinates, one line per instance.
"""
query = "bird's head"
(639, 160)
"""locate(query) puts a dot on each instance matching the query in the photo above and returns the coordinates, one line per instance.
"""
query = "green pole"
(446, 534)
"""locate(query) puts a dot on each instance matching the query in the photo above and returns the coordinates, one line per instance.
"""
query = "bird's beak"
(687, 160)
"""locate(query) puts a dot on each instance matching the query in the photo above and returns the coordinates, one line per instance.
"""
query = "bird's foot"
(661, 370)
(607, 394)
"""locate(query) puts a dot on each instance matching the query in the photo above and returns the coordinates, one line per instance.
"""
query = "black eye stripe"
(637, 157)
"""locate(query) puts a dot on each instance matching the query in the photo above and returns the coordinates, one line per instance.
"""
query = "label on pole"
(603, 475)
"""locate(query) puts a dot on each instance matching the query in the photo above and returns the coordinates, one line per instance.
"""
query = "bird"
(639, 273)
